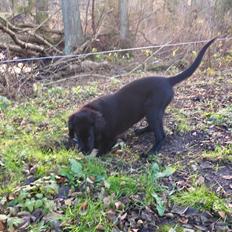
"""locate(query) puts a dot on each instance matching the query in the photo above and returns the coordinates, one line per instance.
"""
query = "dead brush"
(16, 81)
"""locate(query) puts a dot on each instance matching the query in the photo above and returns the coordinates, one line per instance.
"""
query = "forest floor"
(186, 187)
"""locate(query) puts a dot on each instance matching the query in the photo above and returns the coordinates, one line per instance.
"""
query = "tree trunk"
(73, 33)
(124, 23)
(93, 17)
(41, 11)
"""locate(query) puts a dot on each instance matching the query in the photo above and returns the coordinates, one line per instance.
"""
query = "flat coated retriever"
(98, 123)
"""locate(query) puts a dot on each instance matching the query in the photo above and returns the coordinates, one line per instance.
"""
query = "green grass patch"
(201, 198)
(94, 168)
(170, 228)
(86, 215)
(84, 92)
(220, 153)
(223, 117)
(121, 185)
(181, 120)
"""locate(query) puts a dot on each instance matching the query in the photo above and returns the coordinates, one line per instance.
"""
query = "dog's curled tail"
(190, 70)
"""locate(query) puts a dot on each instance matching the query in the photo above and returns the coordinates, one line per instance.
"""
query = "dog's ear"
(71, 123)
(99, 122)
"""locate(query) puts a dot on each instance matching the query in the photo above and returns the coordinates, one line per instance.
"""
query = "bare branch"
(40, 39)
(21, 43)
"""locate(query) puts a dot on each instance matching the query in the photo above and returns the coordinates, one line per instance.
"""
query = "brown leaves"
(227, 177)
(84, 206)
(3, 219)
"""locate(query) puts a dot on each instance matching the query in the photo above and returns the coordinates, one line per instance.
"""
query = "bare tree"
(124, 22)
(73, 32)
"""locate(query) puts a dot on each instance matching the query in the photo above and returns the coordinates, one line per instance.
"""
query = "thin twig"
(47, 19)
(144, 62)
(75, 77)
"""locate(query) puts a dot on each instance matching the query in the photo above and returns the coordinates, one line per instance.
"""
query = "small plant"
(221, 118)
(4, 103)
(170, 228)
(152, 187)
(84, 92)
(121, 185)
(97, 57)
(29, 198)
(78, 171)
(73, 172)
(55, 92)
(94, 168)
(201, 198)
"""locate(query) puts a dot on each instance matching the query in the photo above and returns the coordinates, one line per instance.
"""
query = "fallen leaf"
(183, 220)
(200, 180)
(118, 205)
(180, 210)
(89, 180)
(3, 217)
(222, 214)
(3, 201)
(11, 197)
(123, 216)
(100, 227)
(119, 152)
(227, 177)
(2, 226)
(194, 167)
(84, 206)
(107, 201)
(111, 215)
(140, 222)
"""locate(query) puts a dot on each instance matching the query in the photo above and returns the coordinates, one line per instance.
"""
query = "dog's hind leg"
(155, 121)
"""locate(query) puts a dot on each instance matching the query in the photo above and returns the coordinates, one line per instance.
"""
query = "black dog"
(97, 124)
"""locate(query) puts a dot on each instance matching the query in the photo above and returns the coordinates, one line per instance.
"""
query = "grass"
(220, 153)
(121, 185)
(181, 120)
(31, 137)
(84, 92)
(201, 198)
(26, 129)
(223, 117)
(171, 228)
(86, 215)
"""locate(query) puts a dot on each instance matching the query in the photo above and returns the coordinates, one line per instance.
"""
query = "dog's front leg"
(106, 145)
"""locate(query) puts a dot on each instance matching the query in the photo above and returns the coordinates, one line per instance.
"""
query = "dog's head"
(84, 127)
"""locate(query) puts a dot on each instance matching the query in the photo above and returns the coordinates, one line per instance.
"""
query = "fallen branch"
(21, 43)
(17, 49)
(40, 39)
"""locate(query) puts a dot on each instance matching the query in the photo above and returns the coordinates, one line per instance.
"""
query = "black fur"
(97, 124)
